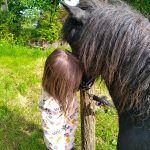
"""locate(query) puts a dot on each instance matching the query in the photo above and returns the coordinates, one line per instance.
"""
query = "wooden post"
(87, 122)
(87, 109)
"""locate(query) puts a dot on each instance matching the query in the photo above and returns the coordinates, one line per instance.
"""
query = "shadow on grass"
(16, 133)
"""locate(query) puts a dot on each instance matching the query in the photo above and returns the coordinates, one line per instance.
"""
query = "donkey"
(113, 41)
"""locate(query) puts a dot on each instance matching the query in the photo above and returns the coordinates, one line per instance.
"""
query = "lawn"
(20, 86)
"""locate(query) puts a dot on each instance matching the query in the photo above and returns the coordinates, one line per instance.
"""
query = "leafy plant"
(17, 24)
(49, 27)
(142, 5)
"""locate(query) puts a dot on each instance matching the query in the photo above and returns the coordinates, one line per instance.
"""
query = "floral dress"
(58, 131)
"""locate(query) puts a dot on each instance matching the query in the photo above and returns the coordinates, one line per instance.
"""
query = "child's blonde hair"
(62, 76)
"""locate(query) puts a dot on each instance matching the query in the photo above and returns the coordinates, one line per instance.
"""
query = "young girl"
(58, 104)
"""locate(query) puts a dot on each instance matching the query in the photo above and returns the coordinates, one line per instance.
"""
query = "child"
(58, 104)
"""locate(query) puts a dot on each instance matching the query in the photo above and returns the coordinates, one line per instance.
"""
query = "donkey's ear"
(77, 13)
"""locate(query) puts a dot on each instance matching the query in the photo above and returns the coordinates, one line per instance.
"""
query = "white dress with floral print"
(58, 131)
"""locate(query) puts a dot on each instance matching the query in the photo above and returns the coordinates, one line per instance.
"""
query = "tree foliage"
(28, 19)
(142, 5)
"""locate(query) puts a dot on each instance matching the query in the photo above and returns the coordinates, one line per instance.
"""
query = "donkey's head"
(77, 18)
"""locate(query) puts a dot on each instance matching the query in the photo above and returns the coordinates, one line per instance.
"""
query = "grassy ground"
(20, 86)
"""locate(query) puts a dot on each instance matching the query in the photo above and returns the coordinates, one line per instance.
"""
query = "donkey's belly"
(135, 137)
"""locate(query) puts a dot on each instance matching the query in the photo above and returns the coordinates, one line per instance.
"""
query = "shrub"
(49, 27)
(143, 6)
(6, 27)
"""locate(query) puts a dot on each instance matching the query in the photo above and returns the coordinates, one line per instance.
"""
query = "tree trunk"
(87, 122)
(4, 6)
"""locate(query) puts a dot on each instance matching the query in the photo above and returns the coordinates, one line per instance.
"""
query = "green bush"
(142, 5)
(49, 27)
(16, 24)
(6, 27)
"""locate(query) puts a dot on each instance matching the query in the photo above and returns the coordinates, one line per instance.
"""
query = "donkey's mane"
(115, 43)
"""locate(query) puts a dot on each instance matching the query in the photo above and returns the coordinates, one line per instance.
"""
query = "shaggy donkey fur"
(114, 41)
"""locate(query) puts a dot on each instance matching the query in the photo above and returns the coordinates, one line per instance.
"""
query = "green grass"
(20, 86)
